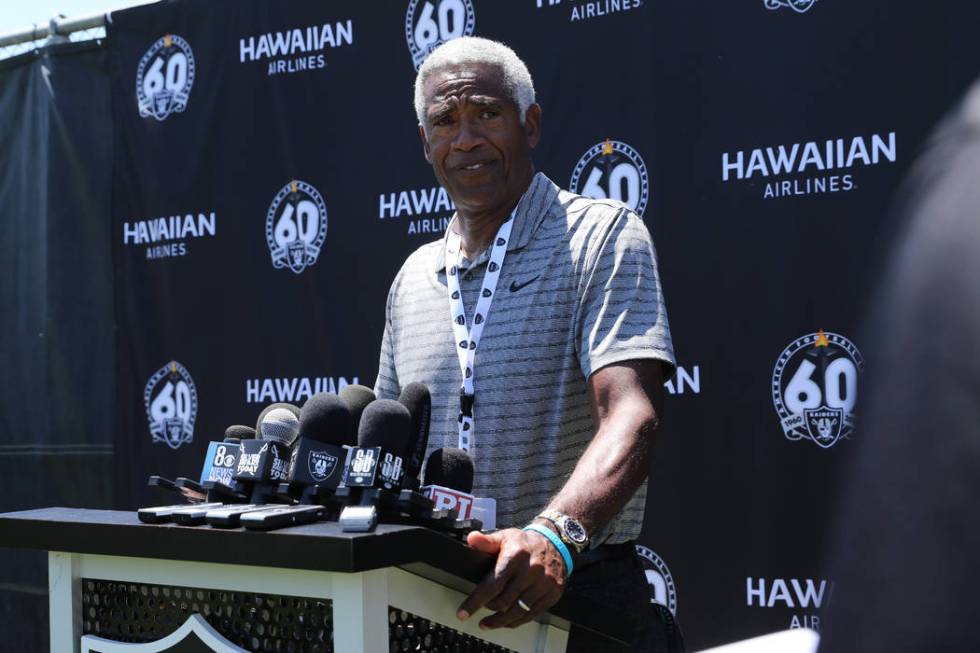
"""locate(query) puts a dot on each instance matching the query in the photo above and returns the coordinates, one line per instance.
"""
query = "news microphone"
(240, 432)
(378, 460)
(357, 397)
(448, 481)
(416, 398)
(376, 466)
(317, 462)
(268, 409)
(261, 465)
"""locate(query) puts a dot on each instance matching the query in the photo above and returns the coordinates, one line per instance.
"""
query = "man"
(536, 306)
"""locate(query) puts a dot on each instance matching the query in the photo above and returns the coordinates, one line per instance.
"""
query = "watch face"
(575, 531)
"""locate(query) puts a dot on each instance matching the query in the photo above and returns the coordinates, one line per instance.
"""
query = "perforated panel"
(408, 632)
(139, 612)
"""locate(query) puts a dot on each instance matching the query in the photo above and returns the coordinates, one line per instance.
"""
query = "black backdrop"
(209, 329)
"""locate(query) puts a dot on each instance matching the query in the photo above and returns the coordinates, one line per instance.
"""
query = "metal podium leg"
(64, 596)
(360, 612)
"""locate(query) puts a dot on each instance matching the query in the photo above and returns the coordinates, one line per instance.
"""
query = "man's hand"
(528, 568)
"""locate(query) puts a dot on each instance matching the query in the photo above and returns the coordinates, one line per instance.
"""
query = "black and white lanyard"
(468, 339)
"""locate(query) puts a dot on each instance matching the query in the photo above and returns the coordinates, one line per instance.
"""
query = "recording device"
(216, 486)
(260, 466)
(357, 397)
(416, 398)
(316, 467)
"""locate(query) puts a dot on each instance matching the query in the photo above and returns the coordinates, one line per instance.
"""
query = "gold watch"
(570, 530)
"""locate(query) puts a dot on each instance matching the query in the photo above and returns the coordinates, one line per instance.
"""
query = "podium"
(311, 588)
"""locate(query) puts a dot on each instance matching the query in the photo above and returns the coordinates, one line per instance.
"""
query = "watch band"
(562, 523)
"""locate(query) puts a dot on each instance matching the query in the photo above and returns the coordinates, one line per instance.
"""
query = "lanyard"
(468, 339)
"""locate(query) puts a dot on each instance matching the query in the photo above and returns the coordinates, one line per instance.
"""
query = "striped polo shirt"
(579, 290)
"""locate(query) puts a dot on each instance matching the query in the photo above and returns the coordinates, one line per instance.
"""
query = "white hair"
(476, 50)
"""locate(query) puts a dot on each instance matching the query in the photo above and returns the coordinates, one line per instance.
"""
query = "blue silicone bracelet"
(554, 539)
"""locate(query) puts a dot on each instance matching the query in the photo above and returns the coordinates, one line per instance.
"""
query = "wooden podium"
(306, 588)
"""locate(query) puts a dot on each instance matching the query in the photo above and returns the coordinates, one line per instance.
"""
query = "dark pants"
(618, 581)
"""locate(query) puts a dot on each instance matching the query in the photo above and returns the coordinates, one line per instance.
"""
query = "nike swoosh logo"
(514, 286)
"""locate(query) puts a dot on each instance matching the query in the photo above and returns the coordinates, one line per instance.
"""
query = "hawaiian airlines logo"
(662, 589)
(168, 236)
(296, 226)
(298, 49)
(588, 9)
(802, 596)
(810, 168)
(164, 77)
(815, 388)
(612, 170)
(430, 23)
(170, 398)
(294, 390)
(422, 210)
(799, 6)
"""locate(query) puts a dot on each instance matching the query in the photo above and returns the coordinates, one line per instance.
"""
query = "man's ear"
(425, 144)
(532, 125)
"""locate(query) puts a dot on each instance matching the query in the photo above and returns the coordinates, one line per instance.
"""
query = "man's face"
(474, 139)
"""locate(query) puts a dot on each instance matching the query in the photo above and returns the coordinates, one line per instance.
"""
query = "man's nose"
(468, 137)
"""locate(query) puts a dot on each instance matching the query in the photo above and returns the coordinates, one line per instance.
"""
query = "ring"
(523, 606)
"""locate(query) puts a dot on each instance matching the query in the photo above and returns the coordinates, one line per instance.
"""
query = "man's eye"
(442, 121)
(487, 114)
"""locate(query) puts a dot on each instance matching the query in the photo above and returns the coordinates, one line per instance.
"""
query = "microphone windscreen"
(450, 467)
(325, 418)
(240, 432)
(258, 423)
(232, 441)
(416, 398)
(357, 397)
(387, 424)
(280, 425)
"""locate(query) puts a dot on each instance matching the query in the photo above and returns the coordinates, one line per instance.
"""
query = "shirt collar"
(531, 211)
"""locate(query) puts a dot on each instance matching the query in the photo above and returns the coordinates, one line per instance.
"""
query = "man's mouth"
(475, 166)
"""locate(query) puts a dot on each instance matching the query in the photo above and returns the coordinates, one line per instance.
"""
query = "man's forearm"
(614, 465)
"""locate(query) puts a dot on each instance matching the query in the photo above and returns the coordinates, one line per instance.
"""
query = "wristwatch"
(571, 532)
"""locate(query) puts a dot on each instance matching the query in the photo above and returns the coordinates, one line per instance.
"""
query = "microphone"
(357, 397)
(316, 465)
(376, 466)
(448, 481)
(261, 465)
(240, 432)
(378, 460)
(416, 398)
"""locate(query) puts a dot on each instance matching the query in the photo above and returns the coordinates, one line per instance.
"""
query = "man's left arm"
(626, 399)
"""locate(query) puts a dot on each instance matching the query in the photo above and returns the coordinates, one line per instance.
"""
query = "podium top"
(320, 546)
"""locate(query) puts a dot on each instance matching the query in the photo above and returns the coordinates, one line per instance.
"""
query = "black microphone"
(448, 481)
(240, 432)
(357, 397)
(315, 468)
(378, 460)
(416, 398)
(319, 455)
(376, 466)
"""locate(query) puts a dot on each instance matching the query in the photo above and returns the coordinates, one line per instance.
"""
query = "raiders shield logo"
(321, 465)
(824, 425)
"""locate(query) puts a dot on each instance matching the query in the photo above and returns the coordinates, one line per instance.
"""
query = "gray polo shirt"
(578, 291)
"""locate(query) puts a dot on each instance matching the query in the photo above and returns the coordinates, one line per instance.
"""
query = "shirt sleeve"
(386, 386)
(621, 314)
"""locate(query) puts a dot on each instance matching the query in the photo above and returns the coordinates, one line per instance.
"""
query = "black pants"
(620, 583)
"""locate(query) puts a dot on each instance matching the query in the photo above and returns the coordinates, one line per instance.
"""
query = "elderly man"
(538, 324)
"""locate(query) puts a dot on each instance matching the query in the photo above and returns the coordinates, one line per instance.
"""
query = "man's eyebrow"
(484, 101)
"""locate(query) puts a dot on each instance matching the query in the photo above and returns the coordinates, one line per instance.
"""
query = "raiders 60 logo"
(612, 170)
(296, 226)
(170, 398)
(799, 6)
(164, 77)
(430, 23)
(815, 388)
(662, 589)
